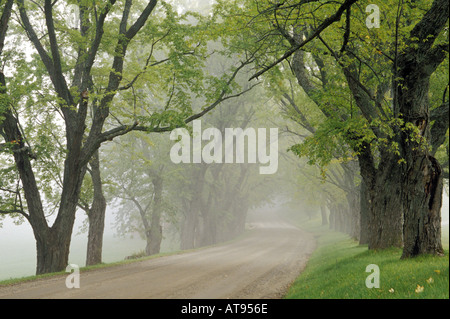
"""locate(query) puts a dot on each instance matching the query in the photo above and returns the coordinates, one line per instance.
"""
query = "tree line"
(380, 97)
(367, 107)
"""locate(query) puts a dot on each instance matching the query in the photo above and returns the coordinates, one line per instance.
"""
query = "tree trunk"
(332, 217)
(240, 216)
(52, 249)
(353, 219)
(239, 204)
(209, 234)
(423, 201)
(347, 217)
(155, 234)
(323, 212)
(188, 228)
(96, 218)
(385, 213)
(235, 225)
(364, 214)
(52, 243)
(422, 183)
(209, 216)
(96, 215)
(383, 195)
(339, 218)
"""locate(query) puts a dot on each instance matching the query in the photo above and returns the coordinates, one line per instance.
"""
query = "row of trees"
(368, 107)
(380, 97)
(204, 203)
(122, 67)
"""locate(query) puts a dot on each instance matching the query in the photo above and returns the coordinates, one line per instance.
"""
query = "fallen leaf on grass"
(419, 289)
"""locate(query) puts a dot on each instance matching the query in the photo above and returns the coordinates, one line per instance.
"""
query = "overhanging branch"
(325, 24)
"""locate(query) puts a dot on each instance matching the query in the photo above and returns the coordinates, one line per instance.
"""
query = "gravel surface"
(262, 264)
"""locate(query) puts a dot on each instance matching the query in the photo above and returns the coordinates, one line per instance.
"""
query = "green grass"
(336, 270)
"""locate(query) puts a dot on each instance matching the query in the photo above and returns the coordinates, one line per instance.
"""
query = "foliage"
(162, 77)
(346, 51)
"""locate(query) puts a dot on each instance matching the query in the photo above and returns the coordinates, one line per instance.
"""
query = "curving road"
(260, 265)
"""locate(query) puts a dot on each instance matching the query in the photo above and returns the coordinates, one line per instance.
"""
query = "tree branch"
(95, 137)
(432, 23)
(123, 129)
(326, 23)
(347, 30)
(440, 117)
(98, 37)
(54, 48)
(4, 20)
(134, 29)
(222, 96)
(35, 40)
(361, 94)
(13, 211)
(304, 122)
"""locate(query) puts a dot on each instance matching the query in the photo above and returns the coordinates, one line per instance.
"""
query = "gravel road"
(261, 264)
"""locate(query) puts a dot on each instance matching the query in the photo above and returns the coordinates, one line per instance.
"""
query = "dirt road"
(260, 265)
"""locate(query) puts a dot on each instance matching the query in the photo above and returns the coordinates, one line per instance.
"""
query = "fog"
(193, 150)
(18, 253)
(18, 246)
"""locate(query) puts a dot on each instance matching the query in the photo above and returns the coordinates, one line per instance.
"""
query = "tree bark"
(236, 206)
(52, 247)
(364, 214)
(96, 215)
(323, 213)
(332, 217)
(383, 194)
(337, 218)
(209, 217)
(189, 226)
(423, 201)
(155, 234)
(422, 182)
(353, 219)
(240, 215)
(386, 213)
(52, 243)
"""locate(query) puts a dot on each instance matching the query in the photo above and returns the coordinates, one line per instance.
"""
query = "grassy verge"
(337, 270)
